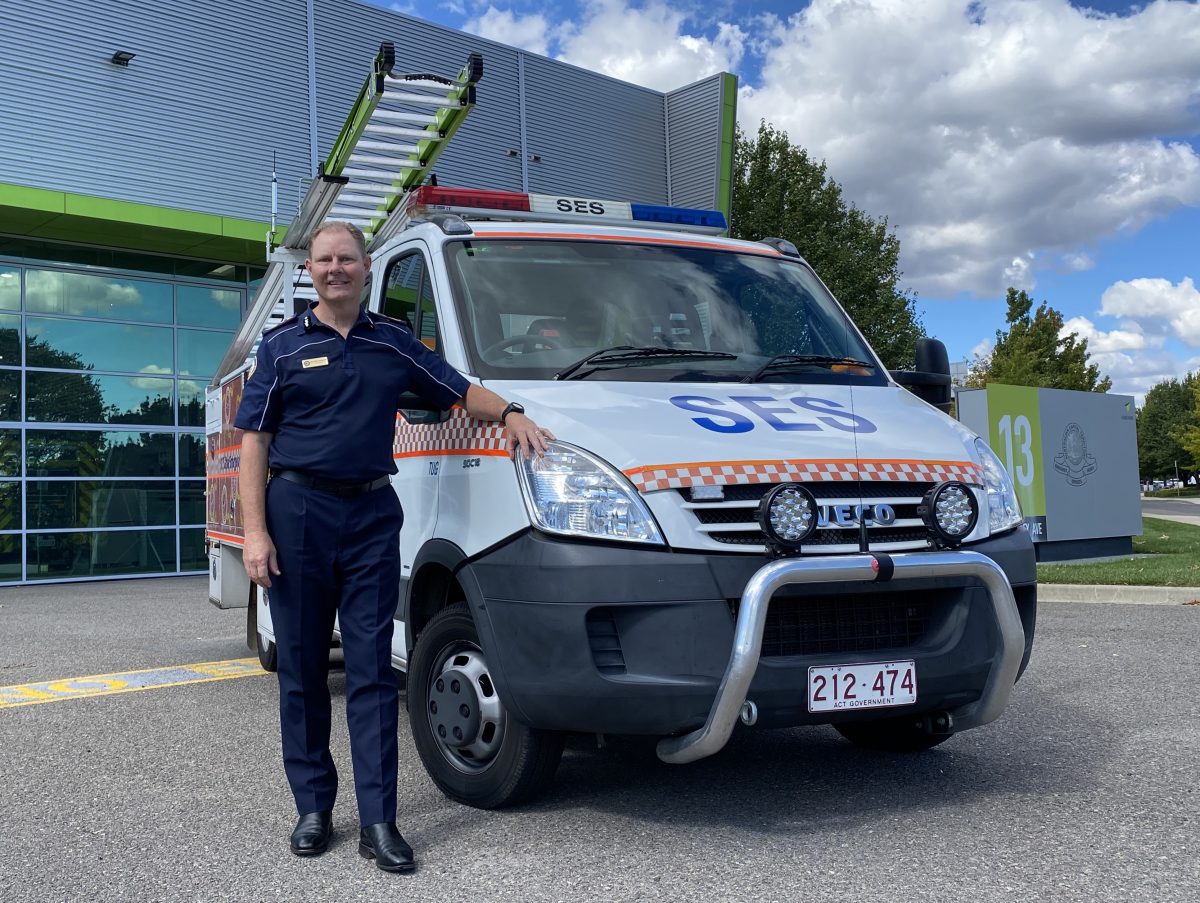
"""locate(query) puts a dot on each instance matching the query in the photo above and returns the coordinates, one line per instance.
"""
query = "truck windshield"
(533, 309)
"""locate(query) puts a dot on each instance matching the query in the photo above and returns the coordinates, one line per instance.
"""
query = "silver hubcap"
(464, 710)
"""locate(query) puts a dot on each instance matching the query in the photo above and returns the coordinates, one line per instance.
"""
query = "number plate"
(846, 688)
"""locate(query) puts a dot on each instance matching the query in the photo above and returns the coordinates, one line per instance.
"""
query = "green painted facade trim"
(62, 216)
(729, 87)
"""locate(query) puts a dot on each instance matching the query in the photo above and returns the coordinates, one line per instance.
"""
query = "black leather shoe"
(383, 843)
(312, 834)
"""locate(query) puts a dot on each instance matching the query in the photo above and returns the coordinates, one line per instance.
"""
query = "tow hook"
(938, 724)
(749, 714)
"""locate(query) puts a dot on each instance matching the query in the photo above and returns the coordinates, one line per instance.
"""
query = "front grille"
(825, 625)
(731, 520)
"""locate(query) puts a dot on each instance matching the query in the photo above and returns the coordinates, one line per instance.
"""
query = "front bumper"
(592, 638)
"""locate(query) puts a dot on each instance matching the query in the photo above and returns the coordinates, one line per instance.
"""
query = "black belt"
(335, 487)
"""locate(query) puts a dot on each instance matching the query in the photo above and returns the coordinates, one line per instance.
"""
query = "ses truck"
(745, 517)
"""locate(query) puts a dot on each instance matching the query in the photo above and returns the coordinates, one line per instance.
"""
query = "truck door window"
(408, 296)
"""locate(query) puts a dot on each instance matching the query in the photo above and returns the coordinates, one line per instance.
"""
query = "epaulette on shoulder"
(290, 321)
(394, 321)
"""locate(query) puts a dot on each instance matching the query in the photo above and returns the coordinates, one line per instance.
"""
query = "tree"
(1032, 352)
(1188, 435)
(1166, 422)
(778, 190)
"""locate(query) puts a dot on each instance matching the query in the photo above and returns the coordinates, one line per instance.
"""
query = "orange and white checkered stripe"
(724, 473)
(460, 435)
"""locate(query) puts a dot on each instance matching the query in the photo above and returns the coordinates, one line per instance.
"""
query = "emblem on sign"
(1075, 463)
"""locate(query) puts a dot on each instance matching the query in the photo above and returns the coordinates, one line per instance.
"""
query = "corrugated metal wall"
(694, 127)
(216, 86)
(596, 136)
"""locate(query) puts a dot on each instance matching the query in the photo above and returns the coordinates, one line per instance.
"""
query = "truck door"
(407, 294)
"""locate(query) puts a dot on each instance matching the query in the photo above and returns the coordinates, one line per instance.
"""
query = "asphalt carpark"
(1084, 790)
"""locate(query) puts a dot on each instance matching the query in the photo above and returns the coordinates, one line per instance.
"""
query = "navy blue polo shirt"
(331, 402)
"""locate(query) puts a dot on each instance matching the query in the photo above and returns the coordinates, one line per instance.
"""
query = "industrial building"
(135, 199)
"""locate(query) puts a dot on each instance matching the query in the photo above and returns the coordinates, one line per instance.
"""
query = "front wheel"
(470, 745)
(893, 734)
(268, 653)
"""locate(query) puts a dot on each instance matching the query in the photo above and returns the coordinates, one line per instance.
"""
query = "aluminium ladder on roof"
(397, 128)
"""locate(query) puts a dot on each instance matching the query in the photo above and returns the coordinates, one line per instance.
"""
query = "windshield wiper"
(784, 361)
(622, 353)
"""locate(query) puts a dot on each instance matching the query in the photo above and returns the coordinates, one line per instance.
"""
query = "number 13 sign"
(1014, 434)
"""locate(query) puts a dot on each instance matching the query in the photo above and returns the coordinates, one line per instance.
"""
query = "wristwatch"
(511, 408)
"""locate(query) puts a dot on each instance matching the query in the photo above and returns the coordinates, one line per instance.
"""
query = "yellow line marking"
(127, 682)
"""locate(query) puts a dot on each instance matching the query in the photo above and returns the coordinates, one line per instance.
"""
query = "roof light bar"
(488, 204)
(678, 216)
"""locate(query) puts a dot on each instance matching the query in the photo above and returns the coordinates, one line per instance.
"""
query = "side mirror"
(417, 410)
(930, 381)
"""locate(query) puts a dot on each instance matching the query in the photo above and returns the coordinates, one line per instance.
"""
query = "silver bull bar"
(752, 616)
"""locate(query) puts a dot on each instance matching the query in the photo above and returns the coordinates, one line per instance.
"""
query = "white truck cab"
(744, 517)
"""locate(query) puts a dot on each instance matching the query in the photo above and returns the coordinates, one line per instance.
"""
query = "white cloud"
(531, 32)
(1078, 262)
(1026, 124)
(1100, 342)
(1019, 273)
(983, 348)
(1157, 305)
(648, 45)
(1136, 374)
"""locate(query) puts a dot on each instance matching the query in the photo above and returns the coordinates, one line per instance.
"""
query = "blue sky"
(1045, 144)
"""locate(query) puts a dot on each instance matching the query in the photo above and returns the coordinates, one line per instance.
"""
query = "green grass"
(1166, 554)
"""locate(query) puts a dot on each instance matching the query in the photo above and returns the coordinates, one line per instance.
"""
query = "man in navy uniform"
(318, 413)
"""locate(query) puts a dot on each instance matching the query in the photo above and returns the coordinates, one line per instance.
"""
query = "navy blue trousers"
(337, 556)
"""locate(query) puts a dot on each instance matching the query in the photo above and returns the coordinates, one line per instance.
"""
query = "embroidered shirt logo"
(315, 362)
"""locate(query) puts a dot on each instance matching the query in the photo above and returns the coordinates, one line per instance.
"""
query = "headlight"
(571, 492)
(1004, 511)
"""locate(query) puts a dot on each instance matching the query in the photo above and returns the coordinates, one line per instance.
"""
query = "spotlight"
(121, 58)
(950, 511)
(788, 517)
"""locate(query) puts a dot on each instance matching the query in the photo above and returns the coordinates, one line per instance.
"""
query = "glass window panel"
(404, 279)
(88, 295)
(56, 555)
(10, 288)
(81, 345)
(10, 394)
(10, 558)
(191, 455)
(81, 255)
(191, 402)
(90, 453)
(87, 398)
(10, 340)
(60, 504)
(191, 502)
(10, 505)
(191, 551)
(200, 352)
(196, 306)
(10, 453)
(207, 269)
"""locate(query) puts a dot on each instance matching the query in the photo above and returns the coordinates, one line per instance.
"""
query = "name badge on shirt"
(315, 362)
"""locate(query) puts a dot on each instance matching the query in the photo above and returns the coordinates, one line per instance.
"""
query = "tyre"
(268, 654)
(903, 735)
(471, 747)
